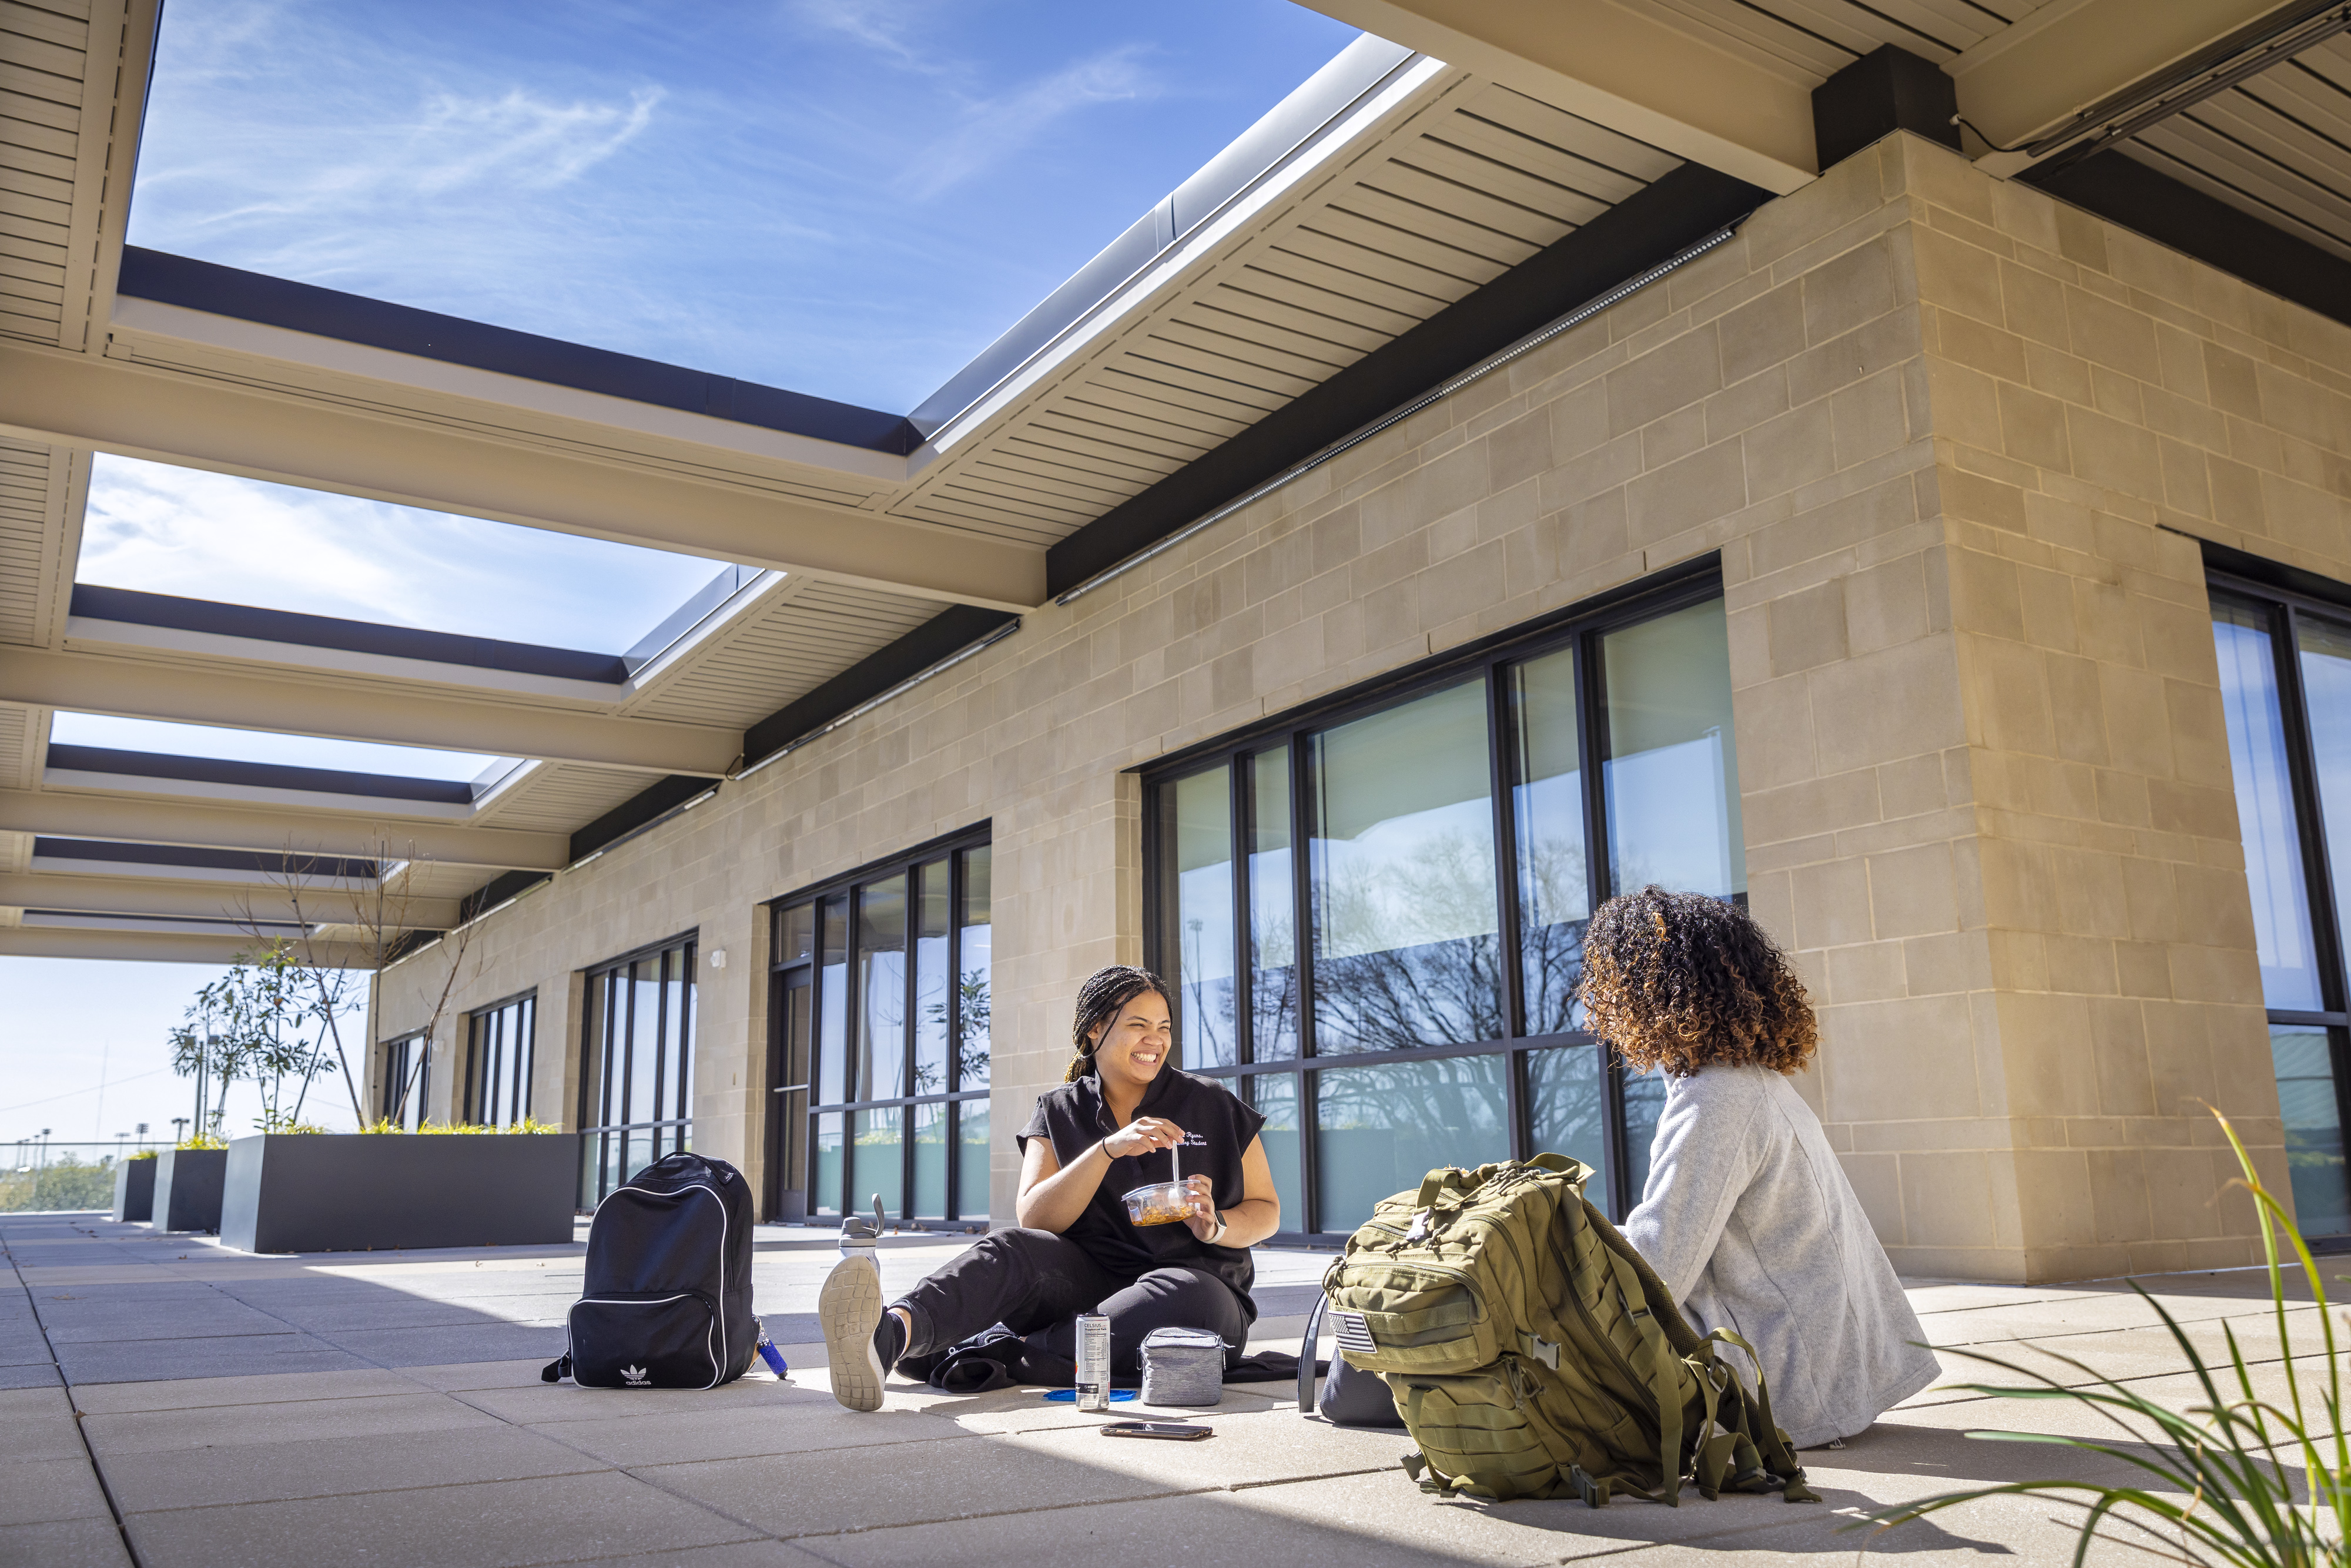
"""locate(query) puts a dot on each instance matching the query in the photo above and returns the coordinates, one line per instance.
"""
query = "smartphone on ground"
(1169, 1431)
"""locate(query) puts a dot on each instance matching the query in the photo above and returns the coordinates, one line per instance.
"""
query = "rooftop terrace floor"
(166, 1401)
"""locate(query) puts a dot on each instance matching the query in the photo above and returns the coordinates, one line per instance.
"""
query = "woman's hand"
(1202, 1216)
(1141, 1136)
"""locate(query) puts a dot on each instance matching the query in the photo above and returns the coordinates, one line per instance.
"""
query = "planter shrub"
(342, 1191)
(188, 1189)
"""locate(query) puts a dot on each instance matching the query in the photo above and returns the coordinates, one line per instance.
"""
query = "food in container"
(1161, 1203)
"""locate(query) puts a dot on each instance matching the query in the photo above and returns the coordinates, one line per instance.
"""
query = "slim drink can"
(1093, 1362)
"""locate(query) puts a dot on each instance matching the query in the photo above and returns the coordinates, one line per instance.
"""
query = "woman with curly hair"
(1747, 1214)
(1113, 1125)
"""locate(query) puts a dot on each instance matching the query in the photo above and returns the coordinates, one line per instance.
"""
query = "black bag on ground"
(667, 1299)
(1350, 1396)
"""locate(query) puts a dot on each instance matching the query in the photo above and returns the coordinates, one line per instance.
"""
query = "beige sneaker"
(850, 1307)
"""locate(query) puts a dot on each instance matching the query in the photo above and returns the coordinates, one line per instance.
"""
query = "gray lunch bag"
(1182, 1366)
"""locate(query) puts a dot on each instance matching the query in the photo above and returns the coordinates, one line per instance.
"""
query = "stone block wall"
(2100, 403)
(1984, 776)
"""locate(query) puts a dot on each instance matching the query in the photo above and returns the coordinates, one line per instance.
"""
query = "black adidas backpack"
(667, 1299)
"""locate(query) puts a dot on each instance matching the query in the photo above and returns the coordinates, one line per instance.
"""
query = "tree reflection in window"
(1199, 829)
(1273, 911)
(1405, 942)
(1437, 918)
(1555, 877)
(897, 1106)
(1378, 1129)
(972, 946)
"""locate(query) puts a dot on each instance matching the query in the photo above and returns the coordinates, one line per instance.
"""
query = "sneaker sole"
(850, 1306)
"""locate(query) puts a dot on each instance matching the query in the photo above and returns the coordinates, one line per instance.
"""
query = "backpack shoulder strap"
(1306, 1356)
(1659, 1300)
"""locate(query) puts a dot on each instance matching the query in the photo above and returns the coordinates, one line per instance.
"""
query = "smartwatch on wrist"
(1221, 1228)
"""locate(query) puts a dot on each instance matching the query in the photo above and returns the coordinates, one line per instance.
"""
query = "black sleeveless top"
(1218, 1130)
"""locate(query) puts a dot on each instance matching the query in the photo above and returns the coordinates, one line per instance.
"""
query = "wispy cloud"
(847, 197)
(163, 529)
(519, 138)
(994, 130)
(458, 144)
(888, 28)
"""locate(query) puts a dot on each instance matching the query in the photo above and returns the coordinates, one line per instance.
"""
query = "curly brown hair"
(1682, 981)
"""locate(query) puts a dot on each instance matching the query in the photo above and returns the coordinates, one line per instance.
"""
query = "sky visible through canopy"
(200, 535)
(849, 198)
(254, 746)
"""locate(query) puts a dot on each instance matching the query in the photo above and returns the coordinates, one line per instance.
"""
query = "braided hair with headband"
(1099, 1001)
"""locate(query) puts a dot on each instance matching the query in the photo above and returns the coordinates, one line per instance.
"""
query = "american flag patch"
(1353, 1333)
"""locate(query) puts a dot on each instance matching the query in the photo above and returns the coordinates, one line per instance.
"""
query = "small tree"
(373, 918)
(248, 1024)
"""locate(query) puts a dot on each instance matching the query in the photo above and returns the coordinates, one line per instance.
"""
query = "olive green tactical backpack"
(1534, 1353)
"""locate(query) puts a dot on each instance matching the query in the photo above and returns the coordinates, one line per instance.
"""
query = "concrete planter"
(342, 1191)
(134, 1189)
(188, 1189)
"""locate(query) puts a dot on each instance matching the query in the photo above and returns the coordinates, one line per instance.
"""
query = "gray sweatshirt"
(1749, 1219)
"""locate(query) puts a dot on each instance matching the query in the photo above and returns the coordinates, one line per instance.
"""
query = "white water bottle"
(1093, 1362)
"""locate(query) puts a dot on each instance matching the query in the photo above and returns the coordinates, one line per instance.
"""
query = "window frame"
(1580, 627)
(594, 1067)
(848, 886)
(523, 1058)
(2283, 609)
(398, 1053)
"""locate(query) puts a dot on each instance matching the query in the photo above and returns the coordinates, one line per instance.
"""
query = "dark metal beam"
(2170, 211)
(194, 285)
(941, 637)
(1885, 90)
(1683, 207)
(132, 608)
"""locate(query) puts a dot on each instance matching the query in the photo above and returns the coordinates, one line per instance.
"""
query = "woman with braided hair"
(1113, 1125)
(1747, 1214)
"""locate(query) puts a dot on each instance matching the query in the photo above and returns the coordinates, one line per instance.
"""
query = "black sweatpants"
(1036, 1283)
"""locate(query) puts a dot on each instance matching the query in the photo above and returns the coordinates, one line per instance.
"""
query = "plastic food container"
(1161, 1203)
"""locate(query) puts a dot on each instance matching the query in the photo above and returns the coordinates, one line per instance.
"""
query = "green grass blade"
(2229, 1456)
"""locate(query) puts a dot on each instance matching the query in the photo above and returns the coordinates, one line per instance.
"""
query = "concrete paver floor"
(168, 1402)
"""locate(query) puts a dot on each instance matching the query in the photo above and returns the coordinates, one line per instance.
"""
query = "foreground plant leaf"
(2232, 1460)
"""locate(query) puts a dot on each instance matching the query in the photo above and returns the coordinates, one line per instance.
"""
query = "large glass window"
(499, 1056)
(1429, 1019)
(636, 1064)
(2285, 686)
(879, 1056)
(407, 1074)
(1403, 864)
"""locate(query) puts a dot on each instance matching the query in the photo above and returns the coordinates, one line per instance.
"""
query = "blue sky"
(163, 530)
(848, 198)
(259, 746)
(115, 1016)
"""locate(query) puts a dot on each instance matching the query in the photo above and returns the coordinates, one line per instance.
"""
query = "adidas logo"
(634, 1376)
